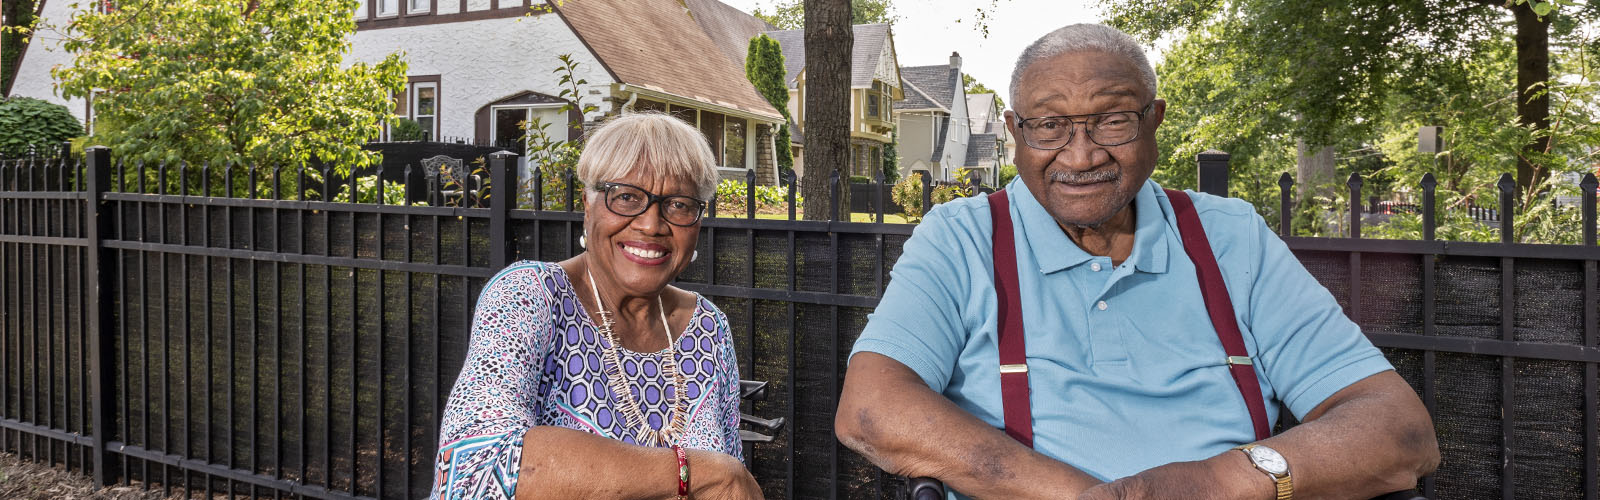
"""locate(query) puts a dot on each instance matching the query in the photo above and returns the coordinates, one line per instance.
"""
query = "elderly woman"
(591, 377)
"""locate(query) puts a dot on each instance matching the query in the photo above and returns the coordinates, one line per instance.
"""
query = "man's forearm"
(888, 415)
(1371, 438)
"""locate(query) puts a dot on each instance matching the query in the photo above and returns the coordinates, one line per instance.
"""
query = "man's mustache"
(1089, 177)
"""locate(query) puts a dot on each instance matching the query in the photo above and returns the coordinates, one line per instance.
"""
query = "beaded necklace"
(673, 423)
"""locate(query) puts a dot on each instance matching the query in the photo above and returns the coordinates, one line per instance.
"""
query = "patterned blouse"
(535, 359)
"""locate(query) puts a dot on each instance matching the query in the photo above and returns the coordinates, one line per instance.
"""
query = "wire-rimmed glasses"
(1113, 128)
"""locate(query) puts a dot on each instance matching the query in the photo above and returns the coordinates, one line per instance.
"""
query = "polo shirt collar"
(1054, 251)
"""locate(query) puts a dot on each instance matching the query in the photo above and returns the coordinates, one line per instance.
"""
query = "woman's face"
(642, 253)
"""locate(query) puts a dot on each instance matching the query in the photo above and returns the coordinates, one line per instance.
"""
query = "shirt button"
(1101, 306)
(1094, 267)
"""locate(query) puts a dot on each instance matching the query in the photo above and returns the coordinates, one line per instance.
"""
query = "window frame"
(378, 12)
(416, 96)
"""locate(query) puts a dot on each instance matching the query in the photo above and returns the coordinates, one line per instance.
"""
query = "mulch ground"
(20, 480)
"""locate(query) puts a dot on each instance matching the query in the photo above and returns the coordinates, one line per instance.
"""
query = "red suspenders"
(1013, 350)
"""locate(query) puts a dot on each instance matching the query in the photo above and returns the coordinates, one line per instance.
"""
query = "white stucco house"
(478, 68)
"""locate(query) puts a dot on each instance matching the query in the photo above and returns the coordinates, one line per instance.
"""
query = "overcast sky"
(928, 30)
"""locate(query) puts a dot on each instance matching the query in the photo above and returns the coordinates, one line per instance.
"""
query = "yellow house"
(875, 86)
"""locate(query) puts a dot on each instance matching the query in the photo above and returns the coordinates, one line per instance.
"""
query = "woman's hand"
(719, 476)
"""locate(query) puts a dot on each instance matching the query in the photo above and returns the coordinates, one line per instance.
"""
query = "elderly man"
(1134, 382)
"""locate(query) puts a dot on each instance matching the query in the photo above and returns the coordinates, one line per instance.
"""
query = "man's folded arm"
(1371, 438)
(889, 415)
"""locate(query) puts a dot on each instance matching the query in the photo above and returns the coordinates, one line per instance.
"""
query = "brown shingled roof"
(655, 44)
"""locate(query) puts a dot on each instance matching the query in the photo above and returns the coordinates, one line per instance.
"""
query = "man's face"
(1084, 184)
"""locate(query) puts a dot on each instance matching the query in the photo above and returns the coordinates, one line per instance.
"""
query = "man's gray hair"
(1081, 38)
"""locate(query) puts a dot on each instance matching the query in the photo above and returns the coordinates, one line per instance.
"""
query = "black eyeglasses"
(629, 201)
(1106, 129)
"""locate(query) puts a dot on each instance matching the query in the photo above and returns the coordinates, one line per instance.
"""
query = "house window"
(711, 126)
(388, 7)
(510, 124)
(419, 6)
(872, 103)
(425, 107)
(645, 105)
(733, 142)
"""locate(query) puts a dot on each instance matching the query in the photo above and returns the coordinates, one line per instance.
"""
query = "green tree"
(247, 82)
(19, 16)
(1221, 94)
(763, 65)
(1330, 66)
(790, 14)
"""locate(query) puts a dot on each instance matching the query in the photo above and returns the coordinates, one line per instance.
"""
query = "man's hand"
(1225, 477)
(891, 417)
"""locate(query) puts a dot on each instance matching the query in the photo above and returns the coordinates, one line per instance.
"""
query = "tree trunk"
(1533, 104)
(1314, 171)
(828, 40)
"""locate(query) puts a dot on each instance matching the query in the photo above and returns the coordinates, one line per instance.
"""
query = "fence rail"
(192, 329)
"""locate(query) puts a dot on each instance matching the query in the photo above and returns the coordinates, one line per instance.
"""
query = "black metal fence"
(160, 328)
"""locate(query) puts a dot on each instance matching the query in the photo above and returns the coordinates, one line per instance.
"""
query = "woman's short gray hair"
(666, 146)
(1081, 38)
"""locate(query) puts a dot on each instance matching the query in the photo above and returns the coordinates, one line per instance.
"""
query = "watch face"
(1269, 460)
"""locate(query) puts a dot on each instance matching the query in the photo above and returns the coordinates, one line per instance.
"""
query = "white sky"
(928, 30)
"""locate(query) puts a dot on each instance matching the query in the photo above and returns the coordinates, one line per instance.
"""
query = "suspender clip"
(1017, 368)
(1240, 360)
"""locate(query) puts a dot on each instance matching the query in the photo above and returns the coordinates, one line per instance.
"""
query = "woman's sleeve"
(494, 401)
(728, 372)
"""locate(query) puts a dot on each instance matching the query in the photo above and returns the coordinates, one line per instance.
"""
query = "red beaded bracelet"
(683, 472)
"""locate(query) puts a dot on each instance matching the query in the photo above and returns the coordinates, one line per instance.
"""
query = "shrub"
(405, 129)
(770, 200)
(908, 194)
(1007, 172)
(860, 179)
(32, 125)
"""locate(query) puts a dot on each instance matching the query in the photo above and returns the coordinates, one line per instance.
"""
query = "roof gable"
(935, 81)
(657, 44)
(872, 46)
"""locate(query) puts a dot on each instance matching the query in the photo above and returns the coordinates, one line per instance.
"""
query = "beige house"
(875, 86)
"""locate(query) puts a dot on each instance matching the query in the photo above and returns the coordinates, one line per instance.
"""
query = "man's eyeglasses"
(1106, 129)
(628, 201)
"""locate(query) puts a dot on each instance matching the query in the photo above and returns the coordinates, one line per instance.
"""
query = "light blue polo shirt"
(1126, 372)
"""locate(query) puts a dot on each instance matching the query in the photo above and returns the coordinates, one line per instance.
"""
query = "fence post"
(1285, 212)
(502, 197)
(1508, 196)
(1213, 170)
(1429, 224)
(927, 193)
(1355, 204)
(1588, 185)
(101, 266)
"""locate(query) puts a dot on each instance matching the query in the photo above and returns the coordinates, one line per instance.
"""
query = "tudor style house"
(875, 85)
(480, 68)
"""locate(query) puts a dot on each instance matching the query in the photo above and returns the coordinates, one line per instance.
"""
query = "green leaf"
(1543, 8)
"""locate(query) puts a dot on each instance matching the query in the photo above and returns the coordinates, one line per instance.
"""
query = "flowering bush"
(770, 200)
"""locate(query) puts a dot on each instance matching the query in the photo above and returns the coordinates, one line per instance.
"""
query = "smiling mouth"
(643, 253)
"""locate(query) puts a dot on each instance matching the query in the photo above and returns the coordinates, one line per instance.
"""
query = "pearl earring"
(583, 240)
(695, 256)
